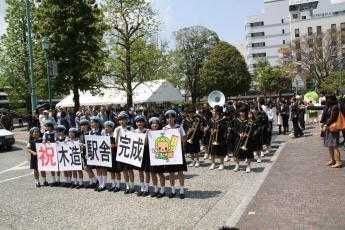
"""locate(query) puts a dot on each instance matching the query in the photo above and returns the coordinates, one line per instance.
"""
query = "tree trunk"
(76, 96)
(129, 79)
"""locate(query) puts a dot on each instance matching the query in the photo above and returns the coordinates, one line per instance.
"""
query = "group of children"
(98, 175)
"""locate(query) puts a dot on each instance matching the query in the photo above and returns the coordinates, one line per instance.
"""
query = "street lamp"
(45, 44)
(31, 60)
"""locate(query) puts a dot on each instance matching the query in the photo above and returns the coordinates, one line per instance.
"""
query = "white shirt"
(176, 126)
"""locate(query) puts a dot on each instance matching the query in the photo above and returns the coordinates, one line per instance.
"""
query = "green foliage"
(193, 45)
(332, 83)
(134, 56)
(271, 79)
(225, 70)
(75, 30)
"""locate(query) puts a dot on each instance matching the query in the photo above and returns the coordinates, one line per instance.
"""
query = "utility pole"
(45, 44)
(31, 60)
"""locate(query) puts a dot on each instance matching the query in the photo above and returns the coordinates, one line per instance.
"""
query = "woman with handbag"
(331, 137)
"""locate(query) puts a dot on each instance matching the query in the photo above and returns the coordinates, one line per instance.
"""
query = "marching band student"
(115, 171)
(158, 192)
(85, 130)
(192, 125)
(256, 134)
(50, 136)
(61, 137)
(140, 121)
(77, 180)
(128, 173)
(31, 149)
(171, 116)
(96, 129)
(217, 145)
(242, 130)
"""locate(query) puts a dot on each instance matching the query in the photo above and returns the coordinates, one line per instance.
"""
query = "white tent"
(157, 91)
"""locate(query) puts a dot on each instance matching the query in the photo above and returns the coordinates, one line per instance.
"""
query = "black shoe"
(93, 185)
(140, 193)
(78, 186)
(96, 189)
(127, 191)
(58, 184)
(154, 194)
(160, 195)
(45, 183)
(53, 184)
(101, 189)
(131, 190)
(38, 185)
(172, 195)
(182, 196)
(116, 189)
(111, 189)
(74, 185)
(146, 193)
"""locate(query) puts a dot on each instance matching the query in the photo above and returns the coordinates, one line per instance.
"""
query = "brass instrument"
(195, 127)
(216, 98)
(244, 146)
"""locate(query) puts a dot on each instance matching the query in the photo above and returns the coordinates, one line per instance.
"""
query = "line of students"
(98, 175)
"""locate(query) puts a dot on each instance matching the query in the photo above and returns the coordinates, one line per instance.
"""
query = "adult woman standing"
(331, 139)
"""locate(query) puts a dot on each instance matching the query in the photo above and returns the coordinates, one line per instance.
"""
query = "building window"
(259, 44)
(297, 44)
(310, 31)
(257, 55)
(333, 28)
(282, 20)
(258, 34)
(283, 31)
(304, 17)
(294, 16)
(318, 30)
(255, 24)
(298, 56)
(296, 33)
(310, 43)
(283, 42)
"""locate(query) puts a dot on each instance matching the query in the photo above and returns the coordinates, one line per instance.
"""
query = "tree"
(317, 54)
(332, 83)
(271, 79)
(193, 45)
(75, 30)
(132, 25)
(225, 70)
(14, 58)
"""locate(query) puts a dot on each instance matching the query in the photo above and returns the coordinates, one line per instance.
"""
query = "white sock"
(142, 187)
(53, 179)
(127, 185)
(146, 187)
(162, 190)
(44, 179)
(173, 189)
(155, 189)
(181, 190)
(80, 181)
(113, 183)
(117, 183)
(58, 179)
(37, 181)
(92, 180)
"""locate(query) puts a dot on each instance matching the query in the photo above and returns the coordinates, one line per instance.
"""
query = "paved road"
(300, 191)
(214, 198)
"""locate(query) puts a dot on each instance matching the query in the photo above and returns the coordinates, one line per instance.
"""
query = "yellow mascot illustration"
(165, 147)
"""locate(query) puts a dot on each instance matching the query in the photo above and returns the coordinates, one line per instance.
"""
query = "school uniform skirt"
(33, 162)
(145, 165)
(219, 150)
(115, 166)
(170, 168)
(193, 148)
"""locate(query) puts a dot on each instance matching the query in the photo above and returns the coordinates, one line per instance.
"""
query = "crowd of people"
(240, 130)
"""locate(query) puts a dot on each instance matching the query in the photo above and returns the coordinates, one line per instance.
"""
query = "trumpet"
(194, 128)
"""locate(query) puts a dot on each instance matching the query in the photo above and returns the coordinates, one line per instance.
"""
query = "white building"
(266, 33)
(285, 20)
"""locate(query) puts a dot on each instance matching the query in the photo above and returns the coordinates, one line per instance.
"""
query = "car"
(6, 138)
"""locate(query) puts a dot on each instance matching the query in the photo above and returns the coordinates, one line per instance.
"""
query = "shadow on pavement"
(197, 194)
(13, 149)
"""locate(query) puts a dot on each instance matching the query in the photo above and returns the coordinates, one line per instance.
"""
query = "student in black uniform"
(108, 130)
(96, 130)
(61, 137)
(217, 145)
(144, 171)
(85, 130)
(127, 170)
(77, 179)
(156, 171)
(50, 136)
(171, 116)
(31, 149)
(242, 130)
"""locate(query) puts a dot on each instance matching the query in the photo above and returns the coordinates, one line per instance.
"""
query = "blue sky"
(226, 17)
